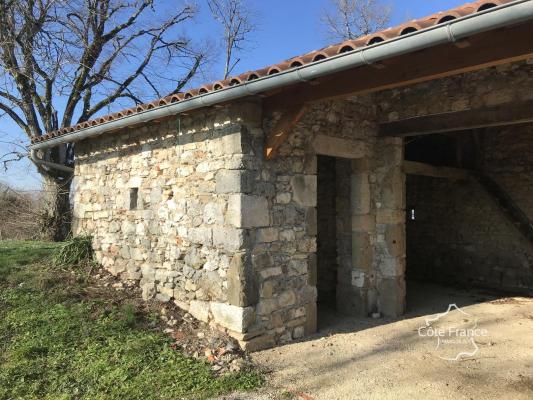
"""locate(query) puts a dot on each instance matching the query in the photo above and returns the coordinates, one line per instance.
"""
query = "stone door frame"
(377, 214)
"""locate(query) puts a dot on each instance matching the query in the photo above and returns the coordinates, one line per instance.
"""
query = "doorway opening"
(326, 232)
(333, 232)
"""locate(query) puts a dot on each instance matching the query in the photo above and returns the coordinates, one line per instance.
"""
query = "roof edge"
(451, 31)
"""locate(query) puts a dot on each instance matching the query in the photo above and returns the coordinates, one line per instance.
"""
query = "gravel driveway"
(388, 359)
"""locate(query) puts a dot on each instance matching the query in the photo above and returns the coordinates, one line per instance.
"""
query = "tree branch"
(237, 23)
(17, 156)
(14, 116)
(350, 19)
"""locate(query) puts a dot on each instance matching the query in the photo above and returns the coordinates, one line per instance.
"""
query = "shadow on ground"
(365, 358)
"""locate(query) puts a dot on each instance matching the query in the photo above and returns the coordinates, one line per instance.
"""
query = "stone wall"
(508, 159)
(284, 255)
(230, 236)
(164, 204)
(493, 86)
(344, 241)
(460, 235)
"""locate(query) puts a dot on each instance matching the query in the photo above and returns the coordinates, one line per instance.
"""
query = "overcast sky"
(286, 28)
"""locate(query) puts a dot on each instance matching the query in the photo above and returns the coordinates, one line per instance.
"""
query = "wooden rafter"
(418, 168)
(283, 128)
(500, 115)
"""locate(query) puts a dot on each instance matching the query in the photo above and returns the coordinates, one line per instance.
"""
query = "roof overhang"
(490, 48)
(498, 35)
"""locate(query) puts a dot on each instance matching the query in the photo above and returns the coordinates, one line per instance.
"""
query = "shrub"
(75, 252)
(20, 213)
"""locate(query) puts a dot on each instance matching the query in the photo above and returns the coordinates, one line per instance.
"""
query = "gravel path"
(387, 359)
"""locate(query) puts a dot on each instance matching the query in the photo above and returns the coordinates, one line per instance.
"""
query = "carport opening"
(458, 231)
(333, 232)
(436, 240)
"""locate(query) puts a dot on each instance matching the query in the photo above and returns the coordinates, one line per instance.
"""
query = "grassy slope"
(59, 342)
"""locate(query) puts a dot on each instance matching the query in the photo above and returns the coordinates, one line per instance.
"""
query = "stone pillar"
(389, 248)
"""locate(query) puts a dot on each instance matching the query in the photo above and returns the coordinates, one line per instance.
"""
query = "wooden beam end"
(282, 129)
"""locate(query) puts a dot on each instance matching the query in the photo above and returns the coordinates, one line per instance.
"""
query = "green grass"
(14, 253)
(60, 340)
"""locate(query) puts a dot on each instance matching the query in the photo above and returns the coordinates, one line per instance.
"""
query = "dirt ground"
(388, 359)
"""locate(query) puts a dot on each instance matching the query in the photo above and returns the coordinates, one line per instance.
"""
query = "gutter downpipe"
(47, 164)
(461, 28)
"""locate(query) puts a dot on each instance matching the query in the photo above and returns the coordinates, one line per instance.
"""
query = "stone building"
(324, 180)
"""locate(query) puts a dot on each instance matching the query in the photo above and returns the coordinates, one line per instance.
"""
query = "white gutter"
(461, 28)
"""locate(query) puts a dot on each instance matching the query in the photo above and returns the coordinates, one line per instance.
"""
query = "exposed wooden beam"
(283, 128)
(418, 168)
(501, 115)
(492, 48)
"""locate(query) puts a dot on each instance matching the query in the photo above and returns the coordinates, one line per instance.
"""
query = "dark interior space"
(445, 150)
(437, 150)
(327, 232)
(459, 233)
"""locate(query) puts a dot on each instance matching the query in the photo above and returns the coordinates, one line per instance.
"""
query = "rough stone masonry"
(191, 209)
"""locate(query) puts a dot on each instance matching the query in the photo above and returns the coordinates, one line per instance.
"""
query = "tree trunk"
(57, 216)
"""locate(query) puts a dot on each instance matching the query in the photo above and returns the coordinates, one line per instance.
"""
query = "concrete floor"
(352, 358)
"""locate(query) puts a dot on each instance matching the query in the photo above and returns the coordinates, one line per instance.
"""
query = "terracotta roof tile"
(329, 51)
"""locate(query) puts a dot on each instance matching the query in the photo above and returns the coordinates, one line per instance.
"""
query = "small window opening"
(134, 197)
(412, 214)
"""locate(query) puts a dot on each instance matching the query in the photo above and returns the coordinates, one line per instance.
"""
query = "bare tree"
(237, 21)
(351, 19)
(64, 61)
